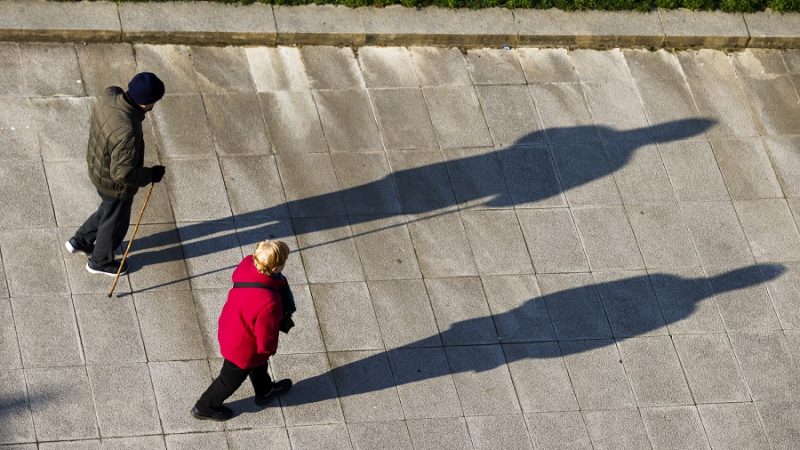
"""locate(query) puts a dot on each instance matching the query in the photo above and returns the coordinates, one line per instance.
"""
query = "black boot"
(276, 389)
(219, 414)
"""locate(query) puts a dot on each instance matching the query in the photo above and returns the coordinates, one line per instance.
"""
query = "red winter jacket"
(250, 320)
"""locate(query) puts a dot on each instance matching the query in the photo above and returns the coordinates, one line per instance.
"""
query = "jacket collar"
(132, 108)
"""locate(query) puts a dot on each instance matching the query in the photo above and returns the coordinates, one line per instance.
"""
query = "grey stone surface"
(396, 25)
(552, 255)
(772, 93)
(780, 422)
(74, 197)
(733, 425)
(283, 110)
(769, 229)
(328, 250)
(123, 395)
(404, 313)
(746, 167)
(616, 108)
(442, 246)
(655, 372)
(584, 173)
(276, 438)
(24, 188)
(222, 69)
(208, 304)
(476, 178)
(772, 29)
(364, 182)
(403, 118)
(508, 431)
(173, 65)
(47, 332)
(196, 189)
(158, 260)
(387, 67)
(51, 69)
(365, 385)
(388, 435)
(744, 308)
(9, 350)
(548, 65)
(200, 441)
(11, 81)
(348, 120)
(62, 127)
(109, 329)
(630, 303)
(170, 329)
(461, 310)
(709, 29)
(510, 114)
(531, 177)
(104, 65)
(622, 429)
(177, 386)
(425, 385)
(318, 25)
(784, 294)
(590, 363)
(518, 311)
(711, 368)
(693, 171)
(313, 402)
(497, 243)
(55, 22)
(254, 187)
(686, 301)
(330, 67)
(422, 181)
(494, 66)
(440, 66)
(769, 370)
(17, 129)
(599, 66)
(61, 403)
(783, 153)
(236, 123)
(182, 128)
(134, 443)
(346, 316)
(316, 436)
(385, 247)
(561, 430)
(22, 264)
(248, 415)
(540, 377)
(16, 414)
(482, 380)
(440, 433)
(662, 235)
(574, 306)
(277, 69)
(310, 196)
(674, 427)
(210, 250)
(607, 238)
(91, 444)
(717, 233)
(308, 337)
(205, 23)
(457, 117)
(641, 176)
(553, 27)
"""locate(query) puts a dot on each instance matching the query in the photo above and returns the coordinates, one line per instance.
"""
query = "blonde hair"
(270, 255)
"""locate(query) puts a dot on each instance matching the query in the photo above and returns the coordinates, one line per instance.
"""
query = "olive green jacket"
(115, 154)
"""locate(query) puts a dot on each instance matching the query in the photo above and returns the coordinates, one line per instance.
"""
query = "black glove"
(157, 173)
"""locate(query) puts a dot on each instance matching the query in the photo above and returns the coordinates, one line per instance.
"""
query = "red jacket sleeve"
(266, 330)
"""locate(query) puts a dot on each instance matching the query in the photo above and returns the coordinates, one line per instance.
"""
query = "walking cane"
(136, 227)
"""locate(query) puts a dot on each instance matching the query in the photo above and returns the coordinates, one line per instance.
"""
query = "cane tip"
(109, 295)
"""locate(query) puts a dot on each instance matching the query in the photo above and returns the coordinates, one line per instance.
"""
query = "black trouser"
(229, 380)
(106, 228)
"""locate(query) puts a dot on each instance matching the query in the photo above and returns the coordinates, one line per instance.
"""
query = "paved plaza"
(497, 249)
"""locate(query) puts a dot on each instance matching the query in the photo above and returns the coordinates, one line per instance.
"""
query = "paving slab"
(330, 67)
(518, 310)
(170, 329)
(208, 305)
(172, 63)
(23, 263)
(276, 438)
(607, 238)
(686, 301)
(283, 110)
(425, 386)
(313, 399)
(457, 117)
(769, 229)
(442, 246)
(662, 235)
(201, 441)
(780, 422)
(404, 313)
(494, 66)
(61, 403)
(310, 196)
(494, 233)
(196, 189)
(440, 66)
(477, 179)
(593, 362)
(711, 368)
(733, 424)
(746, 308)
(210, 251)
(222, 69)
(584, 172)
(348, 120)
(397, 25)
(254, 186)
(388, 435)
(328, 249)
(482, 380)
(421, 180)
(308, 337)
(553, 27)
(616, 108)
(74, 196)
(9, 351)
(365, 385)
(90, 444)
(385, 247)
(123, 394)
(62, 127)
(277, 69)
(772, 29)
(717, 233)
(181, 127)
(655, 372)
(630, 303)
(204, 23)
(11, 81)
(158, 260)
(318, 25)
(18, 131)
(622, 429)
(236, 123)
(109, 329)
(58, 22)
(403, 118)
(767, 364)
(132, 443)
(506, 431)
(705, 29)
(346, 316)
(104, 65)
(511, 115)
(540, 377)
(693, 171)
(546, 65)
(177, 386)
(674, 427)
(16, 415)
(530, 176)
(641, 177)
(574, 306)
(461, 310)
(599, 66)
(334, 437)
(783, 153)
(387, 67)
(24, 186)
(560, 430)
(365, 182)
(443, 433)
(772, 93)
(783, 292)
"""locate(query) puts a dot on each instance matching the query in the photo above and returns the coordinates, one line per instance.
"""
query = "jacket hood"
(246, 272)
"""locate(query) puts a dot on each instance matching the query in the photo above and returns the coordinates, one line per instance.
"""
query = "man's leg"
(229, 379)
(113, 221)
(87, 233)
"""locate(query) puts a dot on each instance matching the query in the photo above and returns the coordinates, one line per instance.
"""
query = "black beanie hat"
(145, 88)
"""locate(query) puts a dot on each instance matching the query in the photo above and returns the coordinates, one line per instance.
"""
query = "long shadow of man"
(514, 175)
(579, 321)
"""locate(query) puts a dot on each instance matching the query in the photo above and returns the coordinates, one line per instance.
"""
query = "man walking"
(115, 156)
